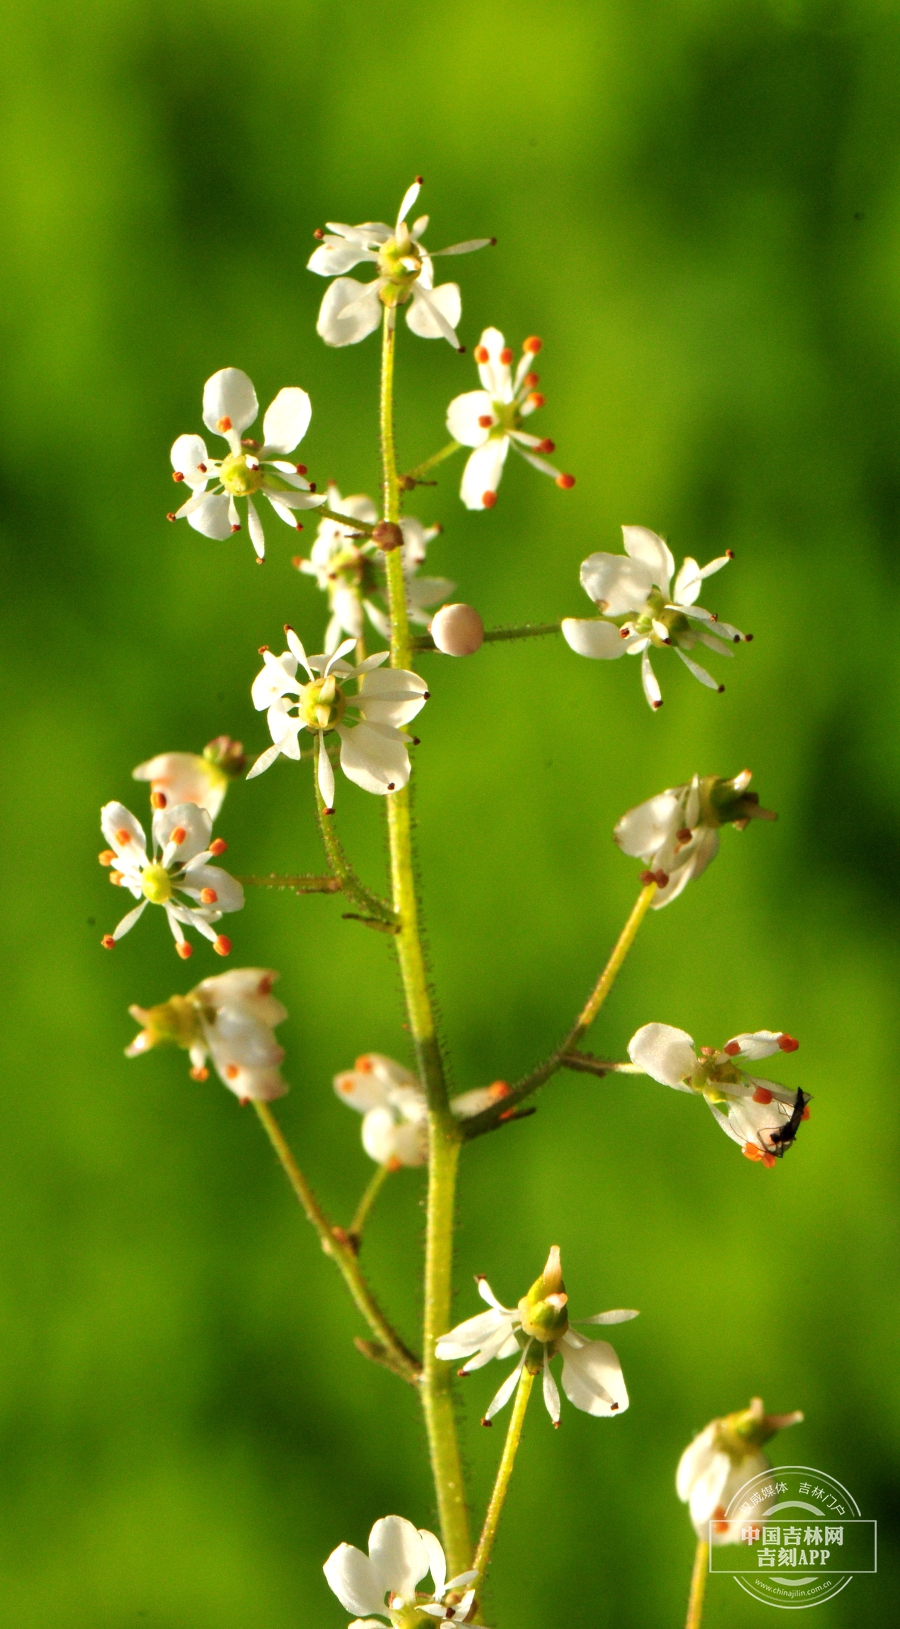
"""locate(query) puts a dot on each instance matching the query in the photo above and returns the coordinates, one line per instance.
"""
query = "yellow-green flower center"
(399, 260)
(322, 703)
(239, 477)
(157, 884)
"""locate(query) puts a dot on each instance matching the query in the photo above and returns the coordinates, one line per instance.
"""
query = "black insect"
(782, 1137)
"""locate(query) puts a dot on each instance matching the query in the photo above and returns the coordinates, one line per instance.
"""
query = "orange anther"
(224, 424)
(264, 986)
(231, 1071)
(732, 1049)
(208, 896)
(107, 941)
(532, 344)
(171, 516)
(565, 481)
(178, 836)
(489, 499)
(482, 354)
(115, 877)
(158, 800)
(222, 945)
(751, 1152)
(485, 420)
(364, 1065)
(393, 1164)
(506, 355)
(762, 1095)
(177, 475)
(183, 949)
(768, 1161)
(787, 1043)
(202, 468)
(218, 845)
(805, 1114)
(106, 856)
(684, 835)
(661, 878)
(547, 446)
(646, 877)
(531, 379)
(236, 527)
(536, 399)
(300, 468)
(199, 1074)
(123, 835)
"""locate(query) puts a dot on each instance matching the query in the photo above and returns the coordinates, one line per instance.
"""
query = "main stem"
(444, 1141)
(504, 1472)
(698, 1586)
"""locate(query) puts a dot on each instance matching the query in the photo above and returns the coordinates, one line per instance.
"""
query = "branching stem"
(493, 636)
(349, 882)
(370, 1194)
(414, 475)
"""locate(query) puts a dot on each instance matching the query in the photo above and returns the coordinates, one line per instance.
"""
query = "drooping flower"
(760, 1116)
(491, 420)
(186, 777)
(177, 874)
(457, 630)
(229, 408)
(351, 310)
(385, 1580)
(231, 1018)
(395, 1109)
(641, 607)
(373, 749)
(715, 1466)
(539, 1329)
(676, 833)
(349, 569)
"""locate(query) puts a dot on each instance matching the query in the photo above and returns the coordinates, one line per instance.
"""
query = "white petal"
(695, 1461)
(354, 1580)
(264, 761)
(706, 1493)
(615, 583)
(325, 774)
(663, 1052)
(493, 373)
(501, 1397)
(344, 292)
(590, 637)
(407, 201)
(761, 1043)
(391, 696)
(592, 1378)
(437, 1561)
(398, 1555)
(649, 682)
(229, 394)
(336, 256)
(286, 421)
(188, 453)
(254, 526)
(435, 314)
(196, 824)
(643, 830)
(551, 1391)
(472, 1335)
(228, 891)
(620, 1316)
(124, 834)
(463, 415)
(212, 517)
(642, 544)
(498, 1343)
(374, 756)
(700, 673)
(487, 1294)
(127, 922)
(482, 473)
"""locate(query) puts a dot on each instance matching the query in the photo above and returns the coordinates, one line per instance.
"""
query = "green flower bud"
(175, 1022)
(543, 1309)
(727, 802)
(226, 755)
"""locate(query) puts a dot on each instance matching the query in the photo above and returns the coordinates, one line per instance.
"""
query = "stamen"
(499, 1089)
(178, 836)
(532, 345)
(613, 1409)
(565, 481)
(732, 1049)
(208, 896)
(684, 835)
(482, 354)
(177, 475)
(547, 446)
(106, 856)
(762, 1095)
(531, 379)
(506, 355)
(231, 1071)
(805, 1114)
(300, 468)
(729, 554)
(768, 1161)
(535, 399)
(660, 877)
(184, 949)
(123, 836)
(391, 785)
(489, 499)
(751, 1152)
(158, 800)
(646, 877)
(218, 846)
(171, 516)
(264, 986)
(107, 941)
(116, 878)
(364, 1065)
(236, 527)
(224, 424)
(202, 468)
(786, 1043)
(485, 420)
(318, 233)
(486, 1421)
(222, 945)
(199, 1074)
(656, 705)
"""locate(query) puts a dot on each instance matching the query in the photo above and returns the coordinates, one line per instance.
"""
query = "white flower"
(351, 310)
(348, 568)
(373, 750)
(229, 408)
(676, 833)
(539, 1328)
(181, 850)
(715, 1466)
(642, 607)
(760, 1116)
(490, 420)
(185, 777)
(230, 1017)
(395, 1109)
(384, 1581)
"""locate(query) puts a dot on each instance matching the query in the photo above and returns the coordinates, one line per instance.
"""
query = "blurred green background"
(698, 208)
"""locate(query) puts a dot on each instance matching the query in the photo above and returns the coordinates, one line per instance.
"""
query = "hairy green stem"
(350, 521)
(349, 882)
(493, 636)
(300, 885)
(402, 1358)
(504, 1472)
(698, 1586)
(413, 475)
(370, 1194)
(444, 1135)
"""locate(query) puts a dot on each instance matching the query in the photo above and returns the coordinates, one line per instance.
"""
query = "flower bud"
(173, 1023)
(727, 802)
(387, 536)
(543, 1309)
(227, 755)
(457, 630)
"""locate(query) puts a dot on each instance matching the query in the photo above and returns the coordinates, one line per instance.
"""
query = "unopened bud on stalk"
(387, 536)
(174, 1023)
(543, 1309)
(715, 1466)
(457, 630)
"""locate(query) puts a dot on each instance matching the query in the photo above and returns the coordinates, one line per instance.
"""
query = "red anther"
(481, 354)
(208, 896)
(426, 695)
(625, 633)
(547, 446)
(171, 516)
(509, 1115)
(184, 949)
(202, 468)
(107, 941)
(259, 561)
(805, 1114)
(296, 561)
(506, 355)
(318, 233)
(231, 1071)
(762, 1095)
(300, 468)
(461, 1374)
(498, 1089)
(719, 687)
(393, 1164)
(613, 1408)
(364, 1065)
(264, 986)
(751, 1152)
(223, 424)
(729, 554)
(106, 856)
(536, 400)
(565, 481)
(236, 527)
(660, 877)
(684, 835)
(262, 649)
(532, 344)
(748, 638)
(732, 1049)
(248, 441)
(177, 475)
(768, 1161)
(531, 379)
(646, 877)
(115, 878)
(485, 420)
(391, 786)
(486, 1421)
(656, 705)
(158, 800)
(420, 180)
(222, 945)
(199, 1074)
(298, 525)
(488, 499)
(243, 1101)
(218, 846)
(460, 350)
(312, 486)
(178, 836)
(123, 836)
(708, 1051)
(786, 1043)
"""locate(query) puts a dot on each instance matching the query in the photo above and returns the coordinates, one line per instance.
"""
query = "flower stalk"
(504, 1475)
(698, 1586)
(492, 636)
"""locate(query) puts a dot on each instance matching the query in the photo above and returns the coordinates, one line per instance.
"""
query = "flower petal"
(493, 373)
(501, 1397)
(212, 516)
(591, 637)
(482, 473)
(551, 1391)
(325, 774)
(188, 453)
(354, 1580)
(398, 1554)
(663, 1052)
(642, 544)
(338, 255)
(228, 891)
(649, 681)
(463, 415)
(615, 583)
(124, 834)
(127, 922)
(437, 1561)
(229, 394)
(592, 1378)
(472, 1335)
(435, 314)
(374, 756)
(336, 329)
(643, 830)
(286, 421)
(391, 696)
(196, 823)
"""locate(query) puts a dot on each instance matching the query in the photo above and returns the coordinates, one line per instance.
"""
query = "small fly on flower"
(782, 1137)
